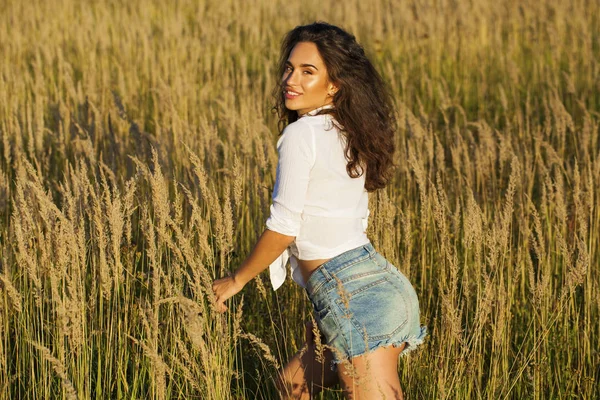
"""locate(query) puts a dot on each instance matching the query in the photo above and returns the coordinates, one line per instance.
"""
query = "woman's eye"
(288, 68)
(308, 72)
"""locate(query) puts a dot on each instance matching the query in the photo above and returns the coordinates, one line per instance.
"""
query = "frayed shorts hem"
(412, 342)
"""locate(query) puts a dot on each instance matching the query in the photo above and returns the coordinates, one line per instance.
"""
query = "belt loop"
(326, 273)
(369, 248)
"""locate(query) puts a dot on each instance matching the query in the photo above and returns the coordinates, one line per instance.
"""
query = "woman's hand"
(269, 246)
(225, 288)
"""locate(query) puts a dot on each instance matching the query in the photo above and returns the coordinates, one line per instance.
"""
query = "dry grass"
(137, 159)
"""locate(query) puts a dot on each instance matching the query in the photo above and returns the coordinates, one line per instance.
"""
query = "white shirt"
(314, 198)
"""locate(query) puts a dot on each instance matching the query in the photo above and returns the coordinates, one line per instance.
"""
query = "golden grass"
(137, 162)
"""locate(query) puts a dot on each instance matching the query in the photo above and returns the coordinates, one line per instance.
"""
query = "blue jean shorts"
(362, 302)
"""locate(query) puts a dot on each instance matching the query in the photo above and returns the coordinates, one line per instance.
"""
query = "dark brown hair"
(363, 105)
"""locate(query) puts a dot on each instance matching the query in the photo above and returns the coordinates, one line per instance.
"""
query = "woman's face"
(306, 83)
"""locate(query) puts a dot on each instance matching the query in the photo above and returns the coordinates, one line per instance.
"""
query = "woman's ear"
(332, 90)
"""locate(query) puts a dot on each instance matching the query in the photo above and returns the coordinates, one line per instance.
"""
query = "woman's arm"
(296, 158)
(268, 247)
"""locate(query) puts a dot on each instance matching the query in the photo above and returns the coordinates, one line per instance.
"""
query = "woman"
(337, 145)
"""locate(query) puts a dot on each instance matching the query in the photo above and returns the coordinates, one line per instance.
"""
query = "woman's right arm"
(296, 158)
(268, 247)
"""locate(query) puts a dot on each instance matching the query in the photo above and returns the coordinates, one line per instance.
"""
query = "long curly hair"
(363, 105)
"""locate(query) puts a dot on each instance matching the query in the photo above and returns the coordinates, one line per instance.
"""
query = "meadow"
(137, 160)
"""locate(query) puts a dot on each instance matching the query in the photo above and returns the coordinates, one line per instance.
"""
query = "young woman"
(337, 145)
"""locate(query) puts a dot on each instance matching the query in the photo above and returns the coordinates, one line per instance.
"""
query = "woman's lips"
(291, 95)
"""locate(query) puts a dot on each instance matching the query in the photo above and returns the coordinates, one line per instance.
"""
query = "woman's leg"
(303, 376)
(373, 375)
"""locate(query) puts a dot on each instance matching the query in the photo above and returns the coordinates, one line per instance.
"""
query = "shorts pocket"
(378, 309)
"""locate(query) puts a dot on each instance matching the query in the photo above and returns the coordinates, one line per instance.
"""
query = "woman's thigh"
(373, 375)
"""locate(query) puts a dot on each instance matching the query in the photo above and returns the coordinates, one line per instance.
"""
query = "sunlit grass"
(137, 160)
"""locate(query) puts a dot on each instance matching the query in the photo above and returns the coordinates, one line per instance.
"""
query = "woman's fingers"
(219, 290)
(224, 288)
(221, 307)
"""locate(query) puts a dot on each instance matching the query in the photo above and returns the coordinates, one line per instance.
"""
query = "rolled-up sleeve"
(296, 149)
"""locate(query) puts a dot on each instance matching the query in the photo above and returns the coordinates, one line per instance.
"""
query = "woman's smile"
(290, 94)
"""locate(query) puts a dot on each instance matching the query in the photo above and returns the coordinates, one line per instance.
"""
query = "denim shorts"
(362, 302)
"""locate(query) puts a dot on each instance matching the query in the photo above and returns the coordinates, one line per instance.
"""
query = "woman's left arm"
(268, 247)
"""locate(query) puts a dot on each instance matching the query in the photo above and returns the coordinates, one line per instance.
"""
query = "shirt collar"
(316, 110)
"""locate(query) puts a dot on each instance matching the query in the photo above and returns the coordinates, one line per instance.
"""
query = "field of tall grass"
(137, 160)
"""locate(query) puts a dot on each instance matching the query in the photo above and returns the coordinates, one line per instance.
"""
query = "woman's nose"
(290, 78)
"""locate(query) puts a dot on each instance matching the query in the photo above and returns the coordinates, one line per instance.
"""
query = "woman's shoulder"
(309, 128)
(300, 125)
(298, 133)
(297, 130)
